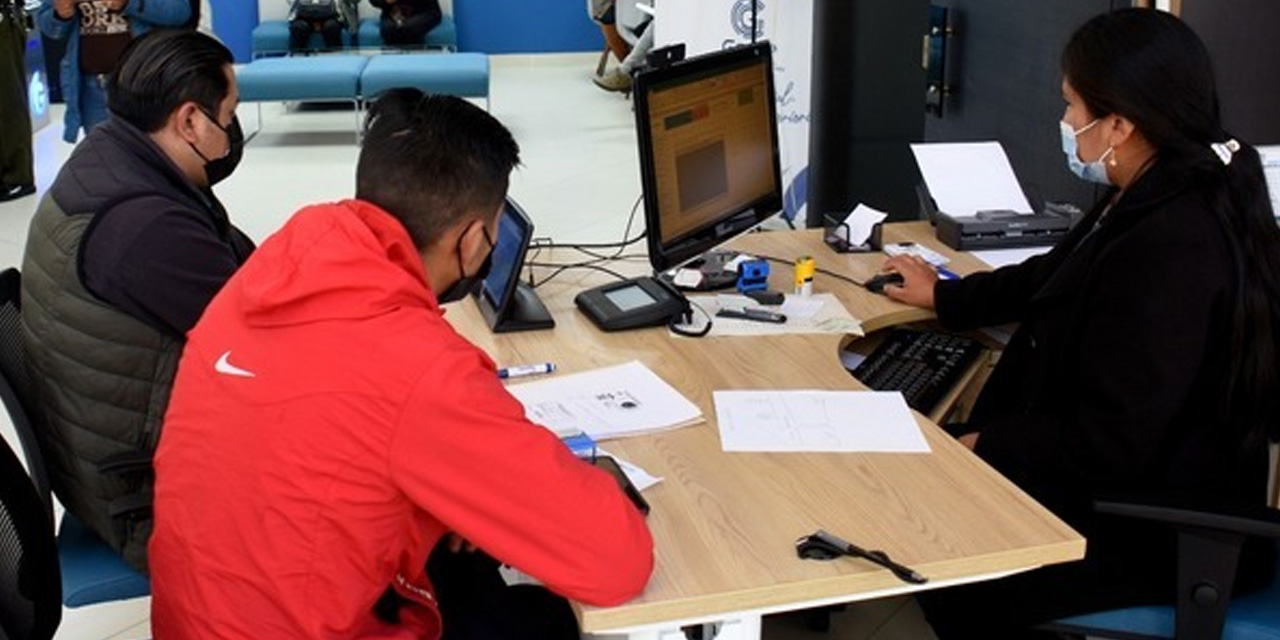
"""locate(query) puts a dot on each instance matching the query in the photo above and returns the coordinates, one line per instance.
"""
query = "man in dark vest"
(123, 255)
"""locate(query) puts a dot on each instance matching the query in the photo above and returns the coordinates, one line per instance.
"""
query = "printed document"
(818, 313)
(1271, 169)
(822, 421)
(967, 177)
(997, 258)
(623, 400)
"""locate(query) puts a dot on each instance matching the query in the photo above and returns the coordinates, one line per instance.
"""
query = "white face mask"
(1094, 171)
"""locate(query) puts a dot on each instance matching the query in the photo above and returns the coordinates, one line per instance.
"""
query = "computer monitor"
(709, 163)
(506, 303)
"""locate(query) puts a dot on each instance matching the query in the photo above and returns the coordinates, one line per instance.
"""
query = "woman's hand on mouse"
(918, 278)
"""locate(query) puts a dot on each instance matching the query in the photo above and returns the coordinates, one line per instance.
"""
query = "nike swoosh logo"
(223, 365)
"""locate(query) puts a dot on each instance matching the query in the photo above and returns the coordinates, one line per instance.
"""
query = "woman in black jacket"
(1145, 362)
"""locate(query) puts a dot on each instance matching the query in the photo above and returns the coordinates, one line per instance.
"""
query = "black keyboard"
(923, 365)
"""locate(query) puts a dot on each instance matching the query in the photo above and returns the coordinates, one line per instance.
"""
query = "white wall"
(278, 9)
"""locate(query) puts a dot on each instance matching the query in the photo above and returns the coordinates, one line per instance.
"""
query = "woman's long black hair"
(1151, 68)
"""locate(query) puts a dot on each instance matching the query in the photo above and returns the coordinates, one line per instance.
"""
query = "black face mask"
(219, 169)
(468, 283)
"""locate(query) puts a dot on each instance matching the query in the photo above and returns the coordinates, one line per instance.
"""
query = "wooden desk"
(724, 524)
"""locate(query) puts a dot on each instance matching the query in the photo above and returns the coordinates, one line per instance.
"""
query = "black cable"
(674, 326)
(561, 268)
(586, 248)
(622, 244)
(819, 270)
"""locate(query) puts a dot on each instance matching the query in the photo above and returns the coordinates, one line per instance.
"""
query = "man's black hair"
(164, 69)
(433, 161)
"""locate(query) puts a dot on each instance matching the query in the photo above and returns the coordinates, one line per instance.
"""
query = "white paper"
(623, 400)
(639, 477)
(920, 251)
(1004, 257)
(1271, 168)
(967, 177)
(861, 222)
(851, 359)
(818, 313)
(687, 278)
(822, 421)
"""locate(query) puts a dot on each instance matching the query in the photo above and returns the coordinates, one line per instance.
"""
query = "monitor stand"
(714, 275)
(524, 312)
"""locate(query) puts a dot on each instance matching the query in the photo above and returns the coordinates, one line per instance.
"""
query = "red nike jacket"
(327, 427)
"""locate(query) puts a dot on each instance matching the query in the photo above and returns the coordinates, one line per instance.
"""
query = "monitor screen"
(506, 303)
(709, 161)
(508, 254)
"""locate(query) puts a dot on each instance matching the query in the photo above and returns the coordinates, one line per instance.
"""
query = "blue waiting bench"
(271, 38)
(355, 78)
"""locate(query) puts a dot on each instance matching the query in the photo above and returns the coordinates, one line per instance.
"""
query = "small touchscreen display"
(629, 297)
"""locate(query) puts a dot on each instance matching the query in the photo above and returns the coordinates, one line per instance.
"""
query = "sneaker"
(616, 80)
(16, 191)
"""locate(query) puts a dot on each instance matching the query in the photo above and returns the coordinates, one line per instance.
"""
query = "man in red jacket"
(328, 429)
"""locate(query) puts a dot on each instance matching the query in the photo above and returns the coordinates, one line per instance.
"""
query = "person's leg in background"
(476, 604)
(613, 40)
(602, 12)
(299, 34)
(412, 31)
(620, 78)
(331, 31)
(93, 101)
(17, 177)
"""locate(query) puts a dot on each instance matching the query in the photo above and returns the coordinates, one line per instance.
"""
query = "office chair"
(29, 588)
(91, 571)
(1209, 542)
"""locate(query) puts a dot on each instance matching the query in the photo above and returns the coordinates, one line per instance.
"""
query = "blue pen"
(947, 274)
(520, 371)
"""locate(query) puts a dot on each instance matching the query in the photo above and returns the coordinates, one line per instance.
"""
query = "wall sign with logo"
(37, 83)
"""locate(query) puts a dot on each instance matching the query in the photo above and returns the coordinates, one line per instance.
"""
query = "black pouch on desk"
(624, 483)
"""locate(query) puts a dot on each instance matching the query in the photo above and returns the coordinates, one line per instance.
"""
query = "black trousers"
(1010, 608)
(410, 31)
(1113, 574)
(477, 605)
(300, 33)
(15, 120)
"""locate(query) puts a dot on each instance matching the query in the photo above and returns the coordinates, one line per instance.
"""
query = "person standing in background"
(17, 177)
(97, 32)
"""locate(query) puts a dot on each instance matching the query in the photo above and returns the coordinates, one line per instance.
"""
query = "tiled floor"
(578, 182)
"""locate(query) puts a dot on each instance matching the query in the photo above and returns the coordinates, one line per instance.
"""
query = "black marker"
(758, 315)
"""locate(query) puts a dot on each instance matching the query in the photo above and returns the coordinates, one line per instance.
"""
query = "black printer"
(1006, 229)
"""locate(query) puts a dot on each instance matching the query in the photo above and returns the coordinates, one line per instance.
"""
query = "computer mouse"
(877, 282)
